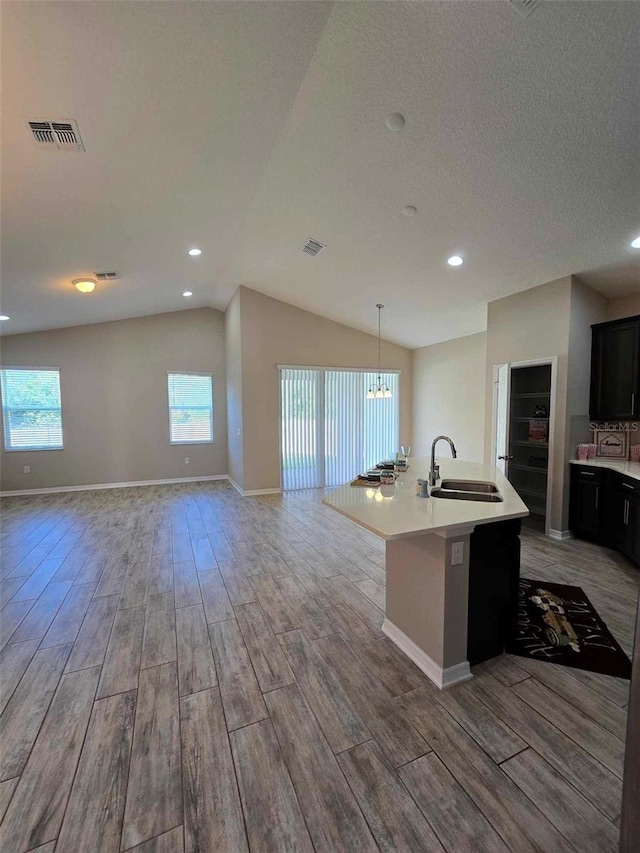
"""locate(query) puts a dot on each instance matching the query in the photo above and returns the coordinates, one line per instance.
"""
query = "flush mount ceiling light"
(4, 317)
(455, 261)
(380, 389)
(188, 293)
(84, 285)
(636, 243)
(194, 252)
(395, 121)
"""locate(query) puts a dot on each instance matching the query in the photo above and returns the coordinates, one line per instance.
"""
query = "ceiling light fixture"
(636, 243)
(409, 210)
(4, 317)
(395, 121)
(188, 293)
(380, 389)
(454, 261)
(84, 285)
(195, 252)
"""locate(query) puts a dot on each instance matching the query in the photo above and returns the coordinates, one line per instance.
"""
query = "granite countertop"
(630, 469)
(393, 512)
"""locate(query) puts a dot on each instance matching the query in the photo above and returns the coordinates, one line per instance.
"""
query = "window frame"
(169, 407)
(4, 408)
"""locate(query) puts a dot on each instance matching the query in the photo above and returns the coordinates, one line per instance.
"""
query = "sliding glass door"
(330, 431)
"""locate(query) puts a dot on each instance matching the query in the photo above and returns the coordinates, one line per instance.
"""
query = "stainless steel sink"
(470, 486)
(463, 495)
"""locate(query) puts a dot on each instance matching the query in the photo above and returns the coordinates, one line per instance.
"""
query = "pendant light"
(380, 389)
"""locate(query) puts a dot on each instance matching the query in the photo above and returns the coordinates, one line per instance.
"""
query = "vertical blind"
(31, 409)
(330, 431)
(190, 408)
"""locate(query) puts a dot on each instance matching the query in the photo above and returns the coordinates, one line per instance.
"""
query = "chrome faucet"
(434, 471)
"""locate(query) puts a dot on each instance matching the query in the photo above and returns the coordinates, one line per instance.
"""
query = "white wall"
(449, 395)
(233, 352)
(623, 306)
(587, 308)
(532, 325)
(273, 332)
(551, 320)
(113, 383)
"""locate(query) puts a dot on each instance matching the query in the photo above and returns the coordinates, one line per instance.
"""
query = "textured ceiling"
(244, 128)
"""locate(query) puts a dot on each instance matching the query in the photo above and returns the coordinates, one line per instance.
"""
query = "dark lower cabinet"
(634, 525)
(625, 516)
(605, 507)
(586, 516)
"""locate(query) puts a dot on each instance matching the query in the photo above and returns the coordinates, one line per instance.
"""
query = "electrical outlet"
(27, 469)
(238, 430)
(186, 460)
(457, 553)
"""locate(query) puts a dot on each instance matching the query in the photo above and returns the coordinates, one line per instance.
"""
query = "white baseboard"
(250, 492)
(560, 535)
(442, 678)
(97, 486)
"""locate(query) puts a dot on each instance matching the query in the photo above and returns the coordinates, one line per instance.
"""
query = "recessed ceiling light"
(4, 317)
(195, 252)
(636, 243)
(395, 121)
(409, 210)
(84, 285)
(188, 293)
(454, 261)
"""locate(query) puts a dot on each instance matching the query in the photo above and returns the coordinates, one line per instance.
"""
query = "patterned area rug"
(558, 624)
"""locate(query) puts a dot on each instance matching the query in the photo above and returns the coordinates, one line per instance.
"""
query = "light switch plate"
(457, 553)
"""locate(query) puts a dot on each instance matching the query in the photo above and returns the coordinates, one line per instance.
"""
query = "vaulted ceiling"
(244, 128)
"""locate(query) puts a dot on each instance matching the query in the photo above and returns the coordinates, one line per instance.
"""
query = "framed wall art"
(612, 444)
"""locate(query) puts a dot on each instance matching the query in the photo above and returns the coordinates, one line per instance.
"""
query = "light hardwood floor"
(185, 669)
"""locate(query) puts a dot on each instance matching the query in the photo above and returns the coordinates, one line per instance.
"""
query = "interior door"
(502, 419)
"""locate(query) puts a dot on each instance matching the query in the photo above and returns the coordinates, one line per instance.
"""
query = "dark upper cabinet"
(615, 370)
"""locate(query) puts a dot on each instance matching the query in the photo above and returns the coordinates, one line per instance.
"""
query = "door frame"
(551, 470)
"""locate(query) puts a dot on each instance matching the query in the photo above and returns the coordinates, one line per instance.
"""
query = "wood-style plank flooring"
(183, 669)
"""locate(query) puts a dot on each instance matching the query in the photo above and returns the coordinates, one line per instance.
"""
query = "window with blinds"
(190, 408)
(330, 431)
(31, 408)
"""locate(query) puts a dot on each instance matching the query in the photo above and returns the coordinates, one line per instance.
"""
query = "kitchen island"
(452, 566)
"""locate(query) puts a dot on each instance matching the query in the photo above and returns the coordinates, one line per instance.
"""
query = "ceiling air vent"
(56, 134)
(525, 7)
(106, 276)
(313, 248)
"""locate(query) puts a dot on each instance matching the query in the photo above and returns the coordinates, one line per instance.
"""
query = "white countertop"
(630, 469)
(393, 512)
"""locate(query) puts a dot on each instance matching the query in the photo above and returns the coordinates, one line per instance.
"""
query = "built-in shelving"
(531, 396)
(523, 443)
(530, 390)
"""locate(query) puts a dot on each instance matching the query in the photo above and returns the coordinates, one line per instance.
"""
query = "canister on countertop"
(422, 488)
